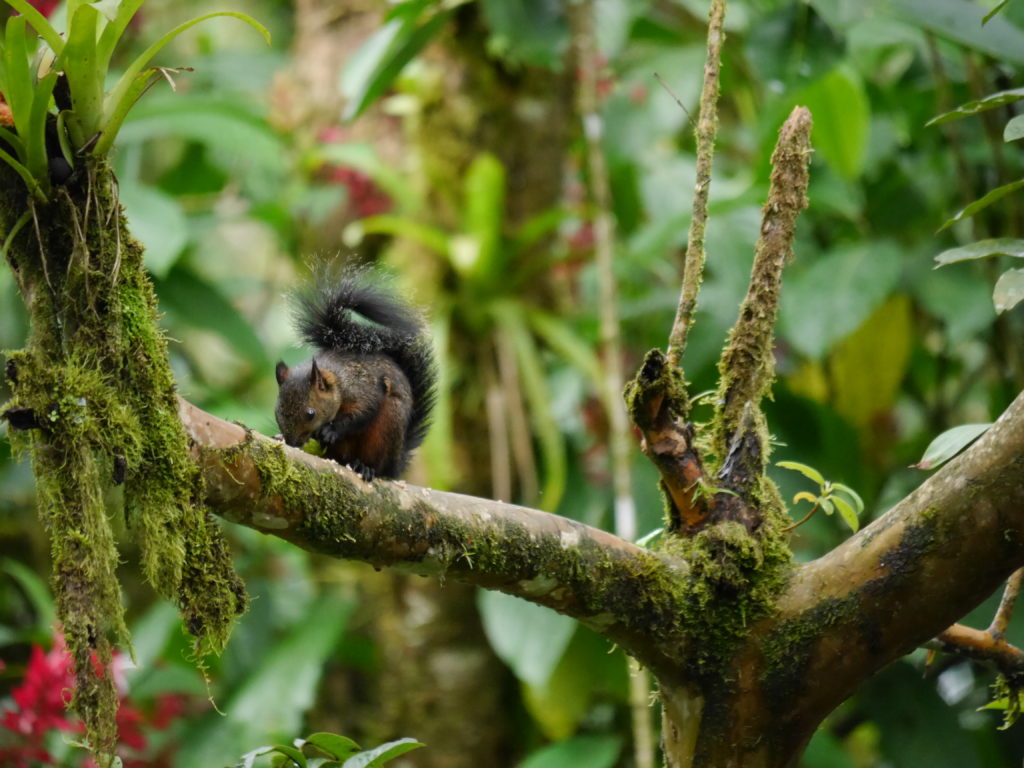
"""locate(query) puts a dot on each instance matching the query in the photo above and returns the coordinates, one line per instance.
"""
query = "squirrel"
(366, 395)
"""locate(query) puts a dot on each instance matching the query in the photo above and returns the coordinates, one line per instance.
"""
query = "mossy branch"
(747, 367)
(668, 440)
(935, 556)
(634, 596)
(94, 406)
(707, 128)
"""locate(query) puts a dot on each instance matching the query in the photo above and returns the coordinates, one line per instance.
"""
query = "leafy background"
(236, 185)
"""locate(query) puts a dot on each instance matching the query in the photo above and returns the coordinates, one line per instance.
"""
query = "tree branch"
(747, 367)
(623, 591)
(980, 645)
(900, 581)
(707, 127)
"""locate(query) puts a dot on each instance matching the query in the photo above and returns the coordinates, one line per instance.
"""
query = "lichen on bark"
(94, 406)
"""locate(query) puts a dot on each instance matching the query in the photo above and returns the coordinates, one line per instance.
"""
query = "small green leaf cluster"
(327, 750)
(1007, 695)
(87, 121)
(1009, 288)
(830, 497)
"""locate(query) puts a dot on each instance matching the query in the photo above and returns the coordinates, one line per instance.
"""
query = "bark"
(933, 557)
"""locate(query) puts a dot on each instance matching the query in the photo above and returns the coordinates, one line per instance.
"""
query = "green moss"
(734, 579)
(96, 378)
(656, 381)
(788, 648)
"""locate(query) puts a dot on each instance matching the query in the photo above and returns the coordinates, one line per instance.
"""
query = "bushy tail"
(350, 316)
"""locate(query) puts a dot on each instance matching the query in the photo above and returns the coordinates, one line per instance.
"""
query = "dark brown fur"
(357, 407)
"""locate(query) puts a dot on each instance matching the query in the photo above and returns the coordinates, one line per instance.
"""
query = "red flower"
(45, 7)
(40, 706)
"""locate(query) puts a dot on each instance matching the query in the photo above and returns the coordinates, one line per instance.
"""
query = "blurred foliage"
(878, 354)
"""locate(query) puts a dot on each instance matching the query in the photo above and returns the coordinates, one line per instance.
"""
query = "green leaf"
(35, 590)
(248, 760)
(200, 304)
(857, 500)
(868, 366)
(539, 226)
(992, 101)
(979, 205)
(13, 139)
(333, 744)
(115, 119)
(561, 337)
(804, 470)
(578, 752)
(832, 298)
(842, 116)
(982, 249)
(826, 751)
(157, 220)
(19, 80)
(988, 16)
(949, 444)
(122, 95)
(431, 238)
(275, 692)
(294, 755)
(1014, 129)
(587, 673)
(1009, 289)
(228, 126)
(825, 502)
(37, 158)
(25, 175)
(533, 32)
(483, 214)
(39, 24)
(962, 22)
(372, 70)
(846, 512)
(385, 753)
(85, 79)
(529, 638)
(111, 34)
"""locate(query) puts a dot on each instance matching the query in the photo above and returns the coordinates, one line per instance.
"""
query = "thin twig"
(802, 520)
(981, 646)
(1005, 611)
(707, 126)
(675, 98)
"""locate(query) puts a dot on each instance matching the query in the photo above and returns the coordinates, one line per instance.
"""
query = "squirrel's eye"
(310, 413)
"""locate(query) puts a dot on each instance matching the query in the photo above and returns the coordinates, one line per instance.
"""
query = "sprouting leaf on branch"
(949, 444)
(831, 497)
(982, 249)
(984, 202)
(992, 101)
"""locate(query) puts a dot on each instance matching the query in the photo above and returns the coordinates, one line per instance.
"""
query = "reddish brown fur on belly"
(380, 444)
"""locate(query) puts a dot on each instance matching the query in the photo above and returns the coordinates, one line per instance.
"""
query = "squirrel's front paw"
(365, 472)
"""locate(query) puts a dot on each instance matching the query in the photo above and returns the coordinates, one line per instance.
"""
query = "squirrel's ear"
(318, 378)
(281, 371)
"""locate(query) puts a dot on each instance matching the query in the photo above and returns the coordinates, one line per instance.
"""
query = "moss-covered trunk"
(94, 406)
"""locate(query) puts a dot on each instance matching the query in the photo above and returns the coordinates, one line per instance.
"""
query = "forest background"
(444, 142)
